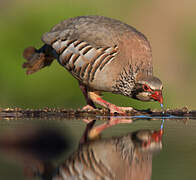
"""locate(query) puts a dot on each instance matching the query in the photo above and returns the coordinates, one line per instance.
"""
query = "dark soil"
(17, 113)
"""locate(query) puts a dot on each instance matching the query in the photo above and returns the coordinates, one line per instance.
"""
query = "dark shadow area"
(35, 148)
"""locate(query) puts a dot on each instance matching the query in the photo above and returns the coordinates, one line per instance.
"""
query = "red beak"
(157, 96)
(157, 135)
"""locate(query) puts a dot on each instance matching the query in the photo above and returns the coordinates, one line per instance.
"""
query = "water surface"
(175, 160)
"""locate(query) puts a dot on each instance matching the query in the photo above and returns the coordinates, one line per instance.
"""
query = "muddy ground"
(18, 113)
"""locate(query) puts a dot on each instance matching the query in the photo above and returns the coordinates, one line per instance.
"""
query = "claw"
(120, 110)
(88, 108)
(95, 98)
(97, 130)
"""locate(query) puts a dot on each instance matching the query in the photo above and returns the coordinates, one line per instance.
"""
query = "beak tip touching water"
(157, 96)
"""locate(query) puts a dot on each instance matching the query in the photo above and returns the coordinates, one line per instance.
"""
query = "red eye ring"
(146, 88)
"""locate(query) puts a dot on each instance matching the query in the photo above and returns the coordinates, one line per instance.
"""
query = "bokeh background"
(169, 25)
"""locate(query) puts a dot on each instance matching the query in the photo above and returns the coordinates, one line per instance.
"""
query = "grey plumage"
(105, 41)
(116, 158)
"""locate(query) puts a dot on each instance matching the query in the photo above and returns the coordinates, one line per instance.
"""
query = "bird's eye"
(146, 88)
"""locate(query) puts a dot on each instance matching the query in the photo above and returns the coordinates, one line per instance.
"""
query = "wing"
(82, 59)
(84, 45)
(87, 44)
(97, 30)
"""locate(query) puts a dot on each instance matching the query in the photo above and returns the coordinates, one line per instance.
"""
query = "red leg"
(94, 132)
(113, 108)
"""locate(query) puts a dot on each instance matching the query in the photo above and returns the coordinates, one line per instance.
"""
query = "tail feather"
(37, 59)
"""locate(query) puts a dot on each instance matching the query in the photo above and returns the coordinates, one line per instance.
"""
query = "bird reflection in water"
(120, 158)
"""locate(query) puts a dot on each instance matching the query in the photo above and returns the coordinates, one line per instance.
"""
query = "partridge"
(104, 55)
(119, 158)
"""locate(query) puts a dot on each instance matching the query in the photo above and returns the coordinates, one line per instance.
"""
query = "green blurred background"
(169, 25)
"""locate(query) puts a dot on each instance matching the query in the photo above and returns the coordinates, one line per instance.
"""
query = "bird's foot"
(88, 108)
(112, 107)
(97, 130)
(119, 110)
(114, 121)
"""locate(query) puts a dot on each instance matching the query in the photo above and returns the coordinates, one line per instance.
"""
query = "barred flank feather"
(81, 59)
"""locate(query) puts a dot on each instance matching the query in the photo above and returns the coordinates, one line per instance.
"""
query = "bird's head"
(148, 140)
(148, 88)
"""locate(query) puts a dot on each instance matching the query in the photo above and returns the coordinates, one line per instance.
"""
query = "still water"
(41, 149)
